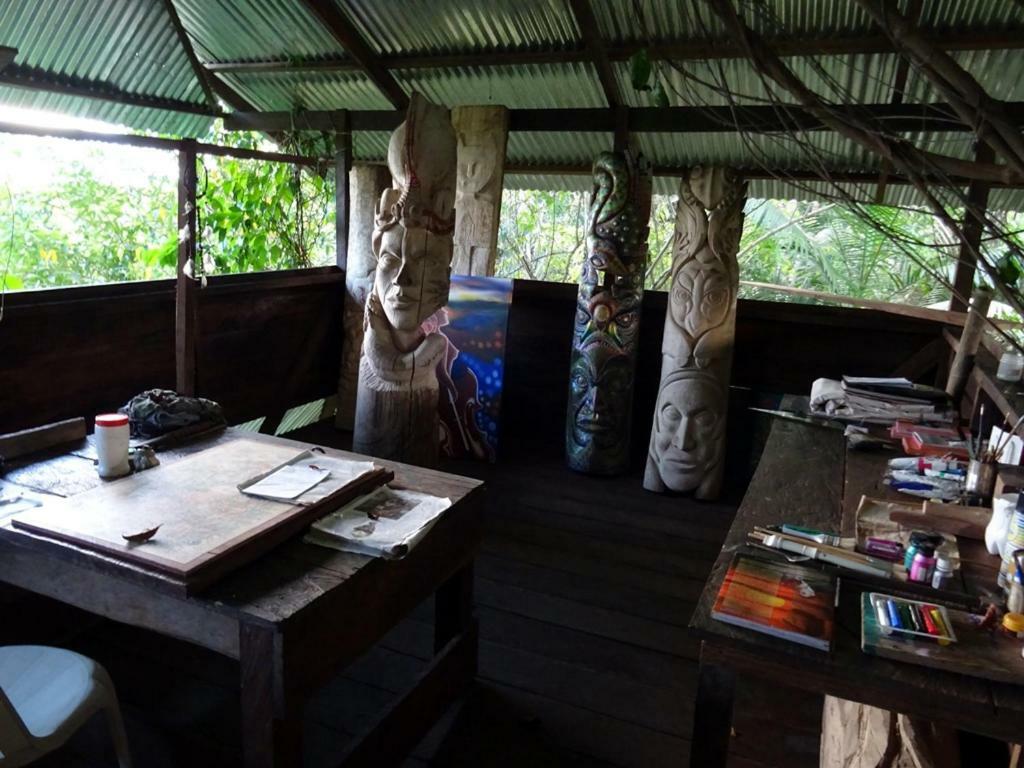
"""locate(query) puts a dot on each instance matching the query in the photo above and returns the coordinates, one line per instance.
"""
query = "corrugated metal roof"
(428, 26)
(240, 30)
(129, 44)
(531, 86)
(132, 45)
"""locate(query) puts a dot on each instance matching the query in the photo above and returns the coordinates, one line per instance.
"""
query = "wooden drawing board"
(207, 526)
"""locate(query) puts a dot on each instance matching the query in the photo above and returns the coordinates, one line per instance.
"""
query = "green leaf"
(640, 70)
(660, 97)
(12, 282)
(1009, 269)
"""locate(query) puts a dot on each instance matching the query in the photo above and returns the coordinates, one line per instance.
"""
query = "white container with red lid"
(111, 437)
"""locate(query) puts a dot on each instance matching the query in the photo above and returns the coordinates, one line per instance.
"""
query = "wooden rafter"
(973, 228)
(33, 79)
(357, 48)
(190, 54)
(210, 83)
(596, 50)
(677, 50)
(751, 119)
(6, 56)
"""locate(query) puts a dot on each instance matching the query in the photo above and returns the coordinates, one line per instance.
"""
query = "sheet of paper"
(387, 523)
(287, 483)
(1013, 449)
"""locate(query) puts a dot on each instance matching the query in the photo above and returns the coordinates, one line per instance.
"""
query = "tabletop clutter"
(221, 505)
(905, 557)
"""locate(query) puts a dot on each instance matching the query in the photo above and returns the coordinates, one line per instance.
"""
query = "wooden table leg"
(712, 716)
(453, 607)
(271, 724)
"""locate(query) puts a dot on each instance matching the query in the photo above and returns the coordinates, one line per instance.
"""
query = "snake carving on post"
(608, 316)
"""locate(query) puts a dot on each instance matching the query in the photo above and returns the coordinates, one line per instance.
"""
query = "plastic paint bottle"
(943, 572)
(924, 563)
(111, 438)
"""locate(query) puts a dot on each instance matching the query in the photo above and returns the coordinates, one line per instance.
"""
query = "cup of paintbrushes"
(981, 478)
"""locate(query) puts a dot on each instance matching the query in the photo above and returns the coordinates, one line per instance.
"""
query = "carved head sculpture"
(412, 238)
(689, 428)
(600, 400)
(608, 315)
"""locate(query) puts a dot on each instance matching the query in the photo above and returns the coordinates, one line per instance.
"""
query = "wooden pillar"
(342, 202)
(185, 290)
(366, 183)
(960, 370)
(482, 134)
(687, 448)
(973, 228)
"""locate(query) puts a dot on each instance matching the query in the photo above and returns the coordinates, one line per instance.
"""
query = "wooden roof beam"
(677, 50)
(6, 56)
(33, 79)
(211, 84)
(357, 48)
(596, 51)
(900, 118)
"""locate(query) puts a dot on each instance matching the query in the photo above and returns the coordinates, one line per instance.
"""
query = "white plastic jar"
(1011, 366)
(111, 437)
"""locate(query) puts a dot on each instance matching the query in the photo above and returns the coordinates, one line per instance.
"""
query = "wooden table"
(294, 618)
(802, 478)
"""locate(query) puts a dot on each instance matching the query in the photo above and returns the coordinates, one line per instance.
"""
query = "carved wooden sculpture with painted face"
(688, 434)
(608, 316)
(396, 408)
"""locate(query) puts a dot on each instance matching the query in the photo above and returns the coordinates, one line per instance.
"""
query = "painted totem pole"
(396, 405)
(688, 435)
(607, 324)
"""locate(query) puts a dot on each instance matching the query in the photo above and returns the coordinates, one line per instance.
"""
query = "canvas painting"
(472, 372)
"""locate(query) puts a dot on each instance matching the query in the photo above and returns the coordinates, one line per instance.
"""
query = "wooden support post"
(621, 141)
(482, 133)
(712, 715)
(960, 371)
(185, 311)
(366, 183)
(342, 202)
(973, 227)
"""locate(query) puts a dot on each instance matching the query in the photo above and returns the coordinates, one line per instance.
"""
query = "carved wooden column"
(688, 435)
(396, 405)
(607, 324)
(482, 134)
(366, 182)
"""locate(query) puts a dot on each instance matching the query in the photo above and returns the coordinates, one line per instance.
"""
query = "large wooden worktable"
(806, 476)
(293, 618)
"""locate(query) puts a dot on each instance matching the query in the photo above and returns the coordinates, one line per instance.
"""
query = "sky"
(33, 163)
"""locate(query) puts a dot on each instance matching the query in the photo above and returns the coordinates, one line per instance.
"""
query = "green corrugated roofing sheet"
(131, 45)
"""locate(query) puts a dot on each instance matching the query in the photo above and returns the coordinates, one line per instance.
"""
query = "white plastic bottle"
(111, 437)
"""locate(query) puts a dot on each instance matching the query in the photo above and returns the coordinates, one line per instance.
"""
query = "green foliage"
(640, 70)
(84, 231)
(816, 246)
(80, 228)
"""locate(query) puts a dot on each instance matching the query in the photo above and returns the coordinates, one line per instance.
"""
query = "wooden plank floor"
(584, 589)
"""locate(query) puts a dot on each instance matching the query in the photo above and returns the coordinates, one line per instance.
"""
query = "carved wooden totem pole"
(396, 406)
(607, 324)
(688, 436)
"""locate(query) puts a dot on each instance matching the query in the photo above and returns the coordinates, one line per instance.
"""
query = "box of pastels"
(911, 619)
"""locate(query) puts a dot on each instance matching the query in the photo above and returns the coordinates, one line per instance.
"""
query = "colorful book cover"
(779, 599)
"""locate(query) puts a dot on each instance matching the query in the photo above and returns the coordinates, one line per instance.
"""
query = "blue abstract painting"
(473, 370)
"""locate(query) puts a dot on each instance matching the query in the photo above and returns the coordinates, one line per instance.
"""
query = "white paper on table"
(305, 479)
(287, 483)
(387, 523)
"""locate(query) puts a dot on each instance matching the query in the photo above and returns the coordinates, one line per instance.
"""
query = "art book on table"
(780, 599)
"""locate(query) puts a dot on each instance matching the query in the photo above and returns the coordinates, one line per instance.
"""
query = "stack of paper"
(880, 400)
(386, 523)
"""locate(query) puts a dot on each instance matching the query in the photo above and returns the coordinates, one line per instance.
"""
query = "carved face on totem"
(608, 316)
(689, 422)
(600, 400)
(701, 296)
(412, 239)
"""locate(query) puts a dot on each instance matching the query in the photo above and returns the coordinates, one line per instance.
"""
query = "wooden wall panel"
(779, 348)
(81, 351)
(266, 344)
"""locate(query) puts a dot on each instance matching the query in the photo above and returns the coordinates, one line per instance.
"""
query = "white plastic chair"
(46, 694)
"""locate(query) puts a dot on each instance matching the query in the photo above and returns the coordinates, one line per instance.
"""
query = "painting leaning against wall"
(472, 372)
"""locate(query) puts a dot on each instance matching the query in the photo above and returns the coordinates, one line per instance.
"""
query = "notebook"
(780, 599)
